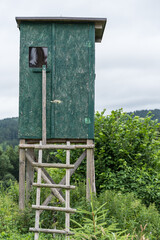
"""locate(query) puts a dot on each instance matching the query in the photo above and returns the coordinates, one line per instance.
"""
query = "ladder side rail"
(37, 215)
(67, 215)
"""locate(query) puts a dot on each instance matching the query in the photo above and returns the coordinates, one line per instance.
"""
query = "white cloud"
(127, 60)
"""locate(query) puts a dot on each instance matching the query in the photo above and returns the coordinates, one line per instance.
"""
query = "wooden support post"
(90, 178)
(67, 221)
(43, 105)
(29, 175)
(22, 177)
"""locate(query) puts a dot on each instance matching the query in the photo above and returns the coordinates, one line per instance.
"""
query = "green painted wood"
(91, 82)
(70, 80)
(30, 95)
(72, 84)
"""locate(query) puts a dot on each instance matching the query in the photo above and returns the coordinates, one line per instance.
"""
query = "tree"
(8, 164)
(127, 155)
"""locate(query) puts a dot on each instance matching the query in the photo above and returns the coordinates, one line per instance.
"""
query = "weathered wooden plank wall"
(70, 81)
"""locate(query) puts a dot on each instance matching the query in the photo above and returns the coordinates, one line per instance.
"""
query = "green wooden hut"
(67, 47)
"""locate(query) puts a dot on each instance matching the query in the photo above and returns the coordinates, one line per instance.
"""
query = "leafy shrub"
(8, 212)
(9, 164)
(127, 155)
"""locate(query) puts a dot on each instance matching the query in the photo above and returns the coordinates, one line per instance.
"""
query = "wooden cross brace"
(47, 178)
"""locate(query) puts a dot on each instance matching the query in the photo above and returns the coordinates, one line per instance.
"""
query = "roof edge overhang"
(100, 23)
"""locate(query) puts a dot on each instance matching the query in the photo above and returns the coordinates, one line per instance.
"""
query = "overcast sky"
(127, 60)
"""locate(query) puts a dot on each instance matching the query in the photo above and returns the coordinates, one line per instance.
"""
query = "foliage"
(126, 210)
(94, 225)
(144, 113)
(111, 210)
(131, 214)
(9, 131)
(8, 214)
(9, 164)
(127, 155)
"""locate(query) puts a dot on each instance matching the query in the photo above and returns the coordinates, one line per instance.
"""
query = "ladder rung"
(53, 165)
(53, 186)
(60, 209)
(50, 231)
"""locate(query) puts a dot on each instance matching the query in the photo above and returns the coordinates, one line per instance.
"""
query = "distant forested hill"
(9, 131)
(143, 113)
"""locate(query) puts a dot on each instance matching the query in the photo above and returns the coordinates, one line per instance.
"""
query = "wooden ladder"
(67, 188)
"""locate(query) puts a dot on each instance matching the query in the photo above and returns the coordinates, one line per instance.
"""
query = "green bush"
(9, 164)
(127, 155)
(8, 213)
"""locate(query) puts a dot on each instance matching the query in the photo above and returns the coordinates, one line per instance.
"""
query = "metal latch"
(56, 101)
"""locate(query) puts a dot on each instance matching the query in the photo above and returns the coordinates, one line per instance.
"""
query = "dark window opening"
(37, 56)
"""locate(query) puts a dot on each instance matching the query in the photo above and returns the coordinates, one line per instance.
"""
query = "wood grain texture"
(70, 81)
(29, 175)
(54, 186)
(67, 215)
(30, 89)
(22, 177)
(53, 165)
(60, 209)
(54, 146)
(44, 230)
(90, 175)
(44, 132)
(38, 194)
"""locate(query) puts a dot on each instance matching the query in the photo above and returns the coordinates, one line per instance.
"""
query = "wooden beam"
(22, 177)
(44, 230)
(50, 208)
(54, 186)
(56, 140)
(54, 146)
(52, 165)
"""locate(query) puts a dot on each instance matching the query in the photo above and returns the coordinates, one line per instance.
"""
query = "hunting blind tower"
(56, 103)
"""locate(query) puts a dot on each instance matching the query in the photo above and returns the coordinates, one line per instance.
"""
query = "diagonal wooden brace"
(46, 179)
(63, 181)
